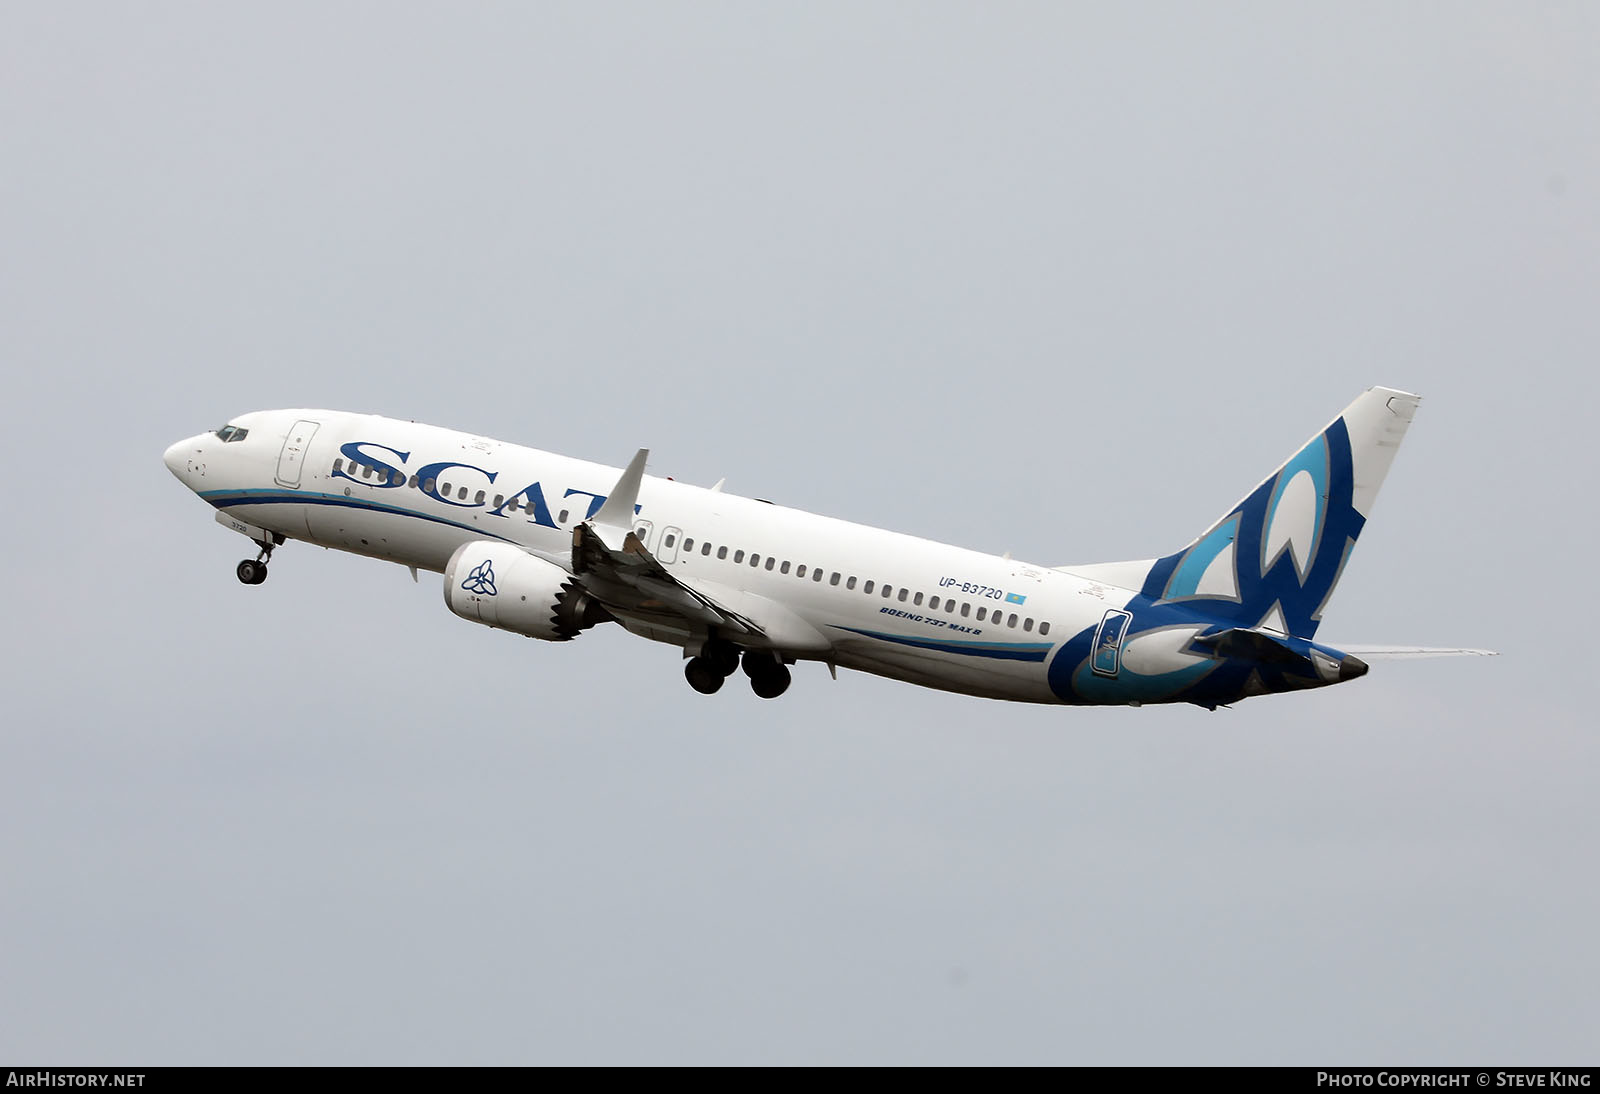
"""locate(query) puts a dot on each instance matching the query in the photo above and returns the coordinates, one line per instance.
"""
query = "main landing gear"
(718, 658)
(253, 571)
(702, 677)
(769, 676)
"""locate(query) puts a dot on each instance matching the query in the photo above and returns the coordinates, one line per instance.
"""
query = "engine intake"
(502, 586)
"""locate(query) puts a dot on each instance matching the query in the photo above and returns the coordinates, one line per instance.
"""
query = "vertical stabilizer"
(1272, 561)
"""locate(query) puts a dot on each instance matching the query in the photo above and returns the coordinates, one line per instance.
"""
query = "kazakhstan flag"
(1015, 598)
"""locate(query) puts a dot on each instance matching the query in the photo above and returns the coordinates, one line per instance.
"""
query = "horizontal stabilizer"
(1289, 655)
(1253, 645)
(1401, 652)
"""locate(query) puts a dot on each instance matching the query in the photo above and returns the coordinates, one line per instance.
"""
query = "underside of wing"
(617, 569)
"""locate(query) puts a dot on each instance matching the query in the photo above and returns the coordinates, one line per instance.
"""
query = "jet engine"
(500, 585)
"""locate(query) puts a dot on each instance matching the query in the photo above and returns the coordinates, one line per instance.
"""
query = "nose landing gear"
(253, 571)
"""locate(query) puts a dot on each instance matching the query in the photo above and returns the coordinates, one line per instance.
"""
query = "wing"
(627, 579)
(619, 571)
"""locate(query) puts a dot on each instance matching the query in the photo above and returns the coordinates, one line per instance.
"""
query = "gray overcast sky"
(1063, 279)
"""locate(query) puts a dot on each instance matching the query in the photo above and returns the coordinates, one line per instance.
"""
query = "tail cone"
(1351, 667)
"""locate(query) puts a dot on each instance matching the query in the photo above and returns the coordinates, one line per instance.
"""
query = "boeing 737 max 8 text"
(548, 546)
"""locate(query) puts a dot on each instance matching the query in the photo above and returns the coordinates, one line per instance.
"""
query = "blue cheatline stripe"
(224, 499)
(1017, 651)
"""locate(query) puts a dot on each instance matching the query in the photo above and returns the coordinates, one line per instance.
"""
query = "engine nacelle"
(501, 585)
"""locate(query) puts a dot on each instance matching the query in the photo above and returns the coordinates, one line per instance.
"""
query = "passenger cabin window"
(1027, 624)
(903, 595)
(851, 584)
(933, 603)
(983, 613)
(722, 552)
(366, 471)
(1044, 628)
(705, 550)
(413, 482)
(1012, 622)
(562, 519)
(428, 485)
(770, 562)
(800, 571)
(338, 466)
(478, 500)
(966, 609)
(755, 559)
(499, 500)
(816, 575)
(444, 490)
(917, 600)
(784, 568)
(867, 588)
(738, 556)
(671, 539)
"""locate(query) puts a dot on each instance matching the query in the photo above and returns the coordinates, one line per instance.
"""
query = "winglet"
(617, 512)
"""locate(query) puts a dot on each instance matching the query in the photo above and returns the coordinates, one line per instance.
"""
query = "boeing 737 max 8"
(548, 546)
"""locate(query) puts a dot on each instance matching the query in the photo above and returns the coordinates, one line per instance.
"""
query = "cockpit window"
(232, 433)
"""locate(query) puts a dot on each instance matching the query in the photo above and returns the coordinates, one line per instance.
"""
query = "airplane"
(548, 547)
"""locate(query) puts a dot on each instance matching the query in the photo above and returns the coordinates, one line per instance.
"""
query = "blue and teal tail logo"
(1273, 561)
(1281, 549)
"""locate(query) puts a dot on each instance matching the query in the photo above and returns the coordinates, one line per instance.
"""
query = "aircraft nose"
(179, 457)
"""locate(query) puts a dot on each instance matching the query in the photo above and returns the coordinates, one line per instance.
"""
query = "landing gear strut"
(721, 655)
(253, 571)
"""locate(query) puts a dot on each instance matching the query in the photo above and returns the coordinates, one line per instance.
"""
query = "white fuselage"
(884, 603)
(547, 546)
